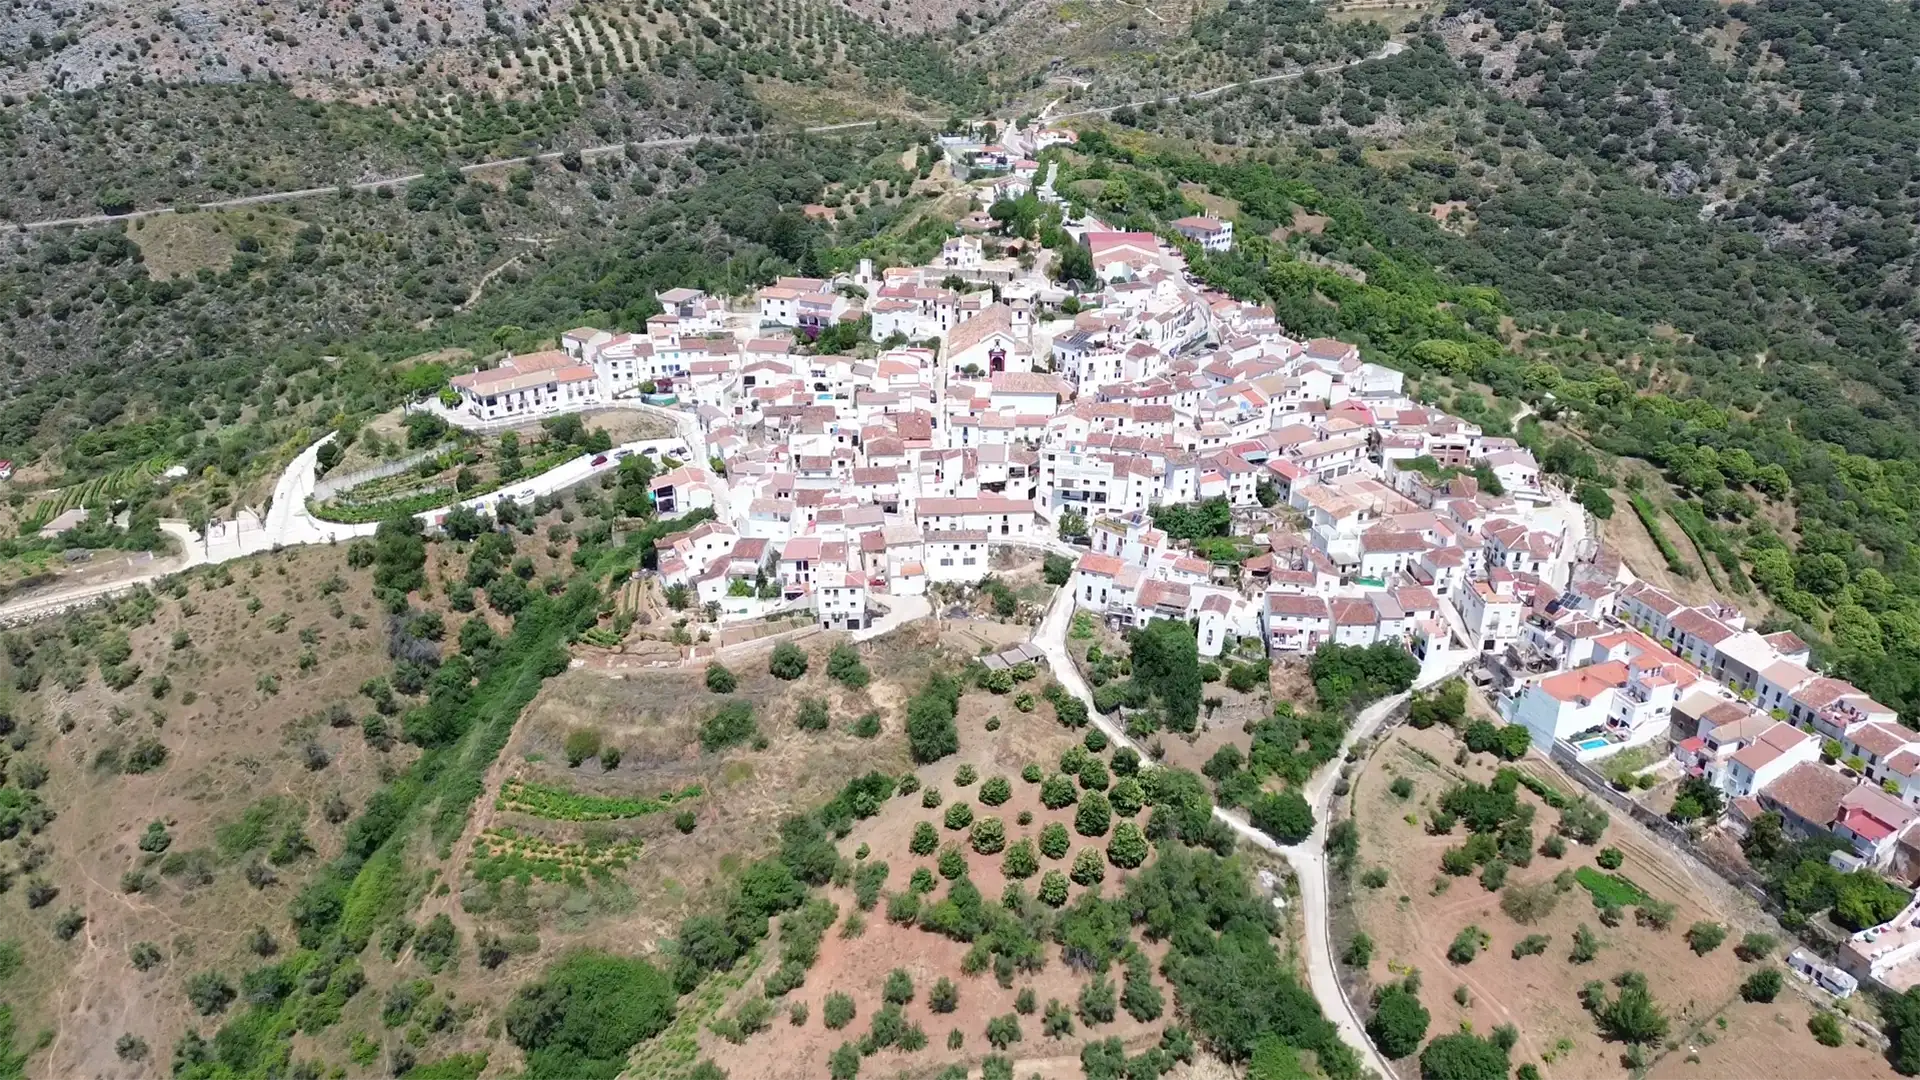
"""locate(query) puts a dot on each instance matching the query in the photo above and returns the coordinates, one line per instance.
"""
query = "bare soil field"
(655, 874)
(1412, 925)
(239, 709)
(857, 966)
(1768, 1042)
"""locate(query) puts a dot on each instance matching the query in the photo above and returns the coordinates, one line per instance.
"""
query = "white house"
(1295, 623)
(1212, 234)
(990, 515)
(840, 602)
(987, 343)
(532, 385)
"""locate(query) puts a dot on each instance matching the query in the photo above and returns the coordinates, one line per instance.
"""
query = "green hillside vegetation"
(1531, 300)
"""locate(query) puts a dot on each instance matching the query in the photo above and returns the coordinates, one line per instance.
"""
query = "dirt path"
(403, 180)
(480, 286)
(477, 822)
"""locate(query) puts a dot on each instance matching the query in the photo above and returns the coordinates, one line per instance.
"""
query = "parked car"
(623, 453)
(598, 460)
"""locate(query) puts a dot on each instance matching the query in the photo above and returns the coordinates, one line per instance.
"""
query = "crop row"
(98, 491)
(560, 804)
(1650, 518)
(500, 854)
(1709, 540)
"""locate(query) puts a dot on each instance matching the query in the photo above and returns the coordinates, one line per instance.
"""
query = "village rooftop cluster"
(988, 415)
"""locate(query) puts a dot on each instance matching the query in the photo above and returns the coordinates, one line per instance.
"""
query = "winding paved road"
(1308, 859)
(290, 523)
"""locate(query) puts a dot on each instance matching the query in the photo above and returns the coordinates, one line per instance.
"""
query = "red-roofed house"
(1872, 821)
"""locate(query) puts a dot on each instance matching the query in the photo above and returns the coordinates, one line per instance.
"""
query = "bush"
(1128, 847)
(1057, 1023)
(1093, 774)
(1139, 997)
(70, 923)
(587, 1013)
(1399, 1022)
(988, 836)
(1762, 985)
(953, 863)
(845, 667)
(788, 662)
(812, 715)
(837, 1010)
(720, 680)
(1466, 945)
(581, 744)
(1554, 846)
(1583, 821)
(1704, 937)
(1531, 945)
(1359, 950)
(1094, 816)
(730, 725)
(959, 816)
(1494, 877)
(1003, 1031)
(1529, 902)
(1053, 888)
(1057, 791)
(1401, 788)
(1585, 945)
(1826, 1030)
(925, 839)
(844, 1062)
(1462, 1057)
(944, 997)
(1610, 858)
(1098, 1002)
(1088, 867)
(1654, 914)
(903, 908)
(1054, 840)
(1286, 816)
(899, 987)
(995, 791)
(210, 993)
(1020, 863)
(156, 840)
(931, 732)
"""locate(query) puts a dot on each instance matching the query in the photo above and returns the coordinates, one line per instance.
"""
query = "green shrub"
(837, 1010)
(788, 661)
(1704, 937)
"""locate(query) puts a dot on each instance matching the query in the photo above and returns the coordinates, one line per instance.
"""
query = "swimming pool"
(1595, 743)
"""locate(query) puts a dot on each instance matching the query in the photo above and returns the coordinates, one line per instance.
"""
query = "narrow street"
(1308, 859)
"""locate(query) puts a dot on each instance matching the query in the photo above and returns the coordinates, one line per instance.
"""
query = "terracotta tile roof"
(1810, 791)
